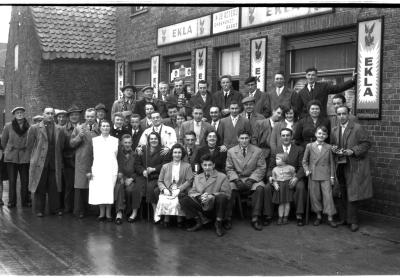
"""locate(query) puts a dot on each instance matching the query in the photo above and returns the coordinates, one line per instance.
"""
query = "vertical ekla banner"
(201, 62)
(121, 71)
(368, 105)
(258, 53)
(155, 69)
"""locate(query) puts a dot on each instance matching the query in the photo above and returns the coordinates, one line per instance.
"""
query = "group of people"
(196, 156)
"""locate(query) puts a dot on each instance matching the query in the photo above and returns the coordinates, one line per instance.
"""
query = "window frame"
(237, 48)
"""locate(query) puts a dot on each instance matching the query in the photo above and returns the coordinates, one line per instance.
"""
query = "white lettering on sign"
(226, 21)
(192, 29)
(262, 15)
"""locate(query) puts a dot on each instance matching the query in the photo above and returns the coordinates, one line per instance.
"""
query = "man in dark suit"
(180, 89)
(164, 99)
(189, 143)
(230, 126)
(295, 157)
(215, 115)
(253, 91)
(118, 129)
(253, 117)
(202, 98)
(172, 114)
(223, 98)
(135, 130)
(319, 91)
(146, 122)
(197, 125)
(147, 98)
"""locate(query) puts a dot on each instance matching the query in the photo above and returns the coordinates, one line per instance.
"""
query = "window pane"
(180, 69)
(230, 62)
(141, 77)
(341, 56)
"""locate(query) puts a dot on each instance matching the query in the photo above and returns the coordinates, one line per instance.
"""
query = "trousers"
(47, 185)
(192, 206)
(13, 169)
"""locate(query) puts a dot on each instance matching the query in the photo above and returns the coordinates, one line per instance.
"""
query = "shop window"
(136, 10)
(229, 64)
(180, 67)
(333, 54)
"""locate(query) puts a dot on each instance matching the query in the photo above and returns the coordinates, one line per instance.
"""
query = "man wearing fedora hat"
(249, 113)
(74, 117)
(148, 92)
(127, 102)
(101, 112)
(13, 141)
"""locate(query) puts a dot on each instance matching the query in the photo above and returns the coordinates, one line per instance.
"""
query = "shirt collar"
(345, 125)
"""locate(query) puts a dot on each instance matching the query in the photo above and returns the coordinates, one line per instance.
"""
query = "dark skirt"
(284, 195)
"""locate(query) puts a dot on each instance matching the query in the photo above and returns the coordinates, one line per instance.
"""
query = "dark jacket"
(154, 160)
(219, 99)
(294, 159)
(198, 100)
(218, 156)
(118, 133)
(305, 130)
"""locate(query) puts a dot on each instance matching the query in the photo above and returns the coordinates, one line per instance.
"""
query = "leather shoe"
(300, 222)
(196, 227)
(218, 228)
(131, 220)
(109, 219)
(341, 222)
(266, 221)
(280, 221)
(256, 225)
(101, 218)
(333, 224)
(317, 222)
(39, 214)
(354, 227)
(118, 221)
(227, 224)
(60, 213)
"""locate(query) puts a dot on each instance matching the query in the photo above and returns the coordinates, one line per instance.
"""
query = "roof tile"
(86, 32)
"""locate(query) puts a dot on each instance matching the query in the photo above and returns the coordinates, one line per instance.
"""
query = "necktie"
(207, 176)
(286, 149)
(340, 137)
(278, 91)
(226, 99)
(90, 127)
(244, 152)
(248, 116)
(214, 124)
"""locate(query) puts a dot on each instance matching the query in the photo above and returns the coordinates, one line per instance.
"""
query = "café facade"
(161, 43)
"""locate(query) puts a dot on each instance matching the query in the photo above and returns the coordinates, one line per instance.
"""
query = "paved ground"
(67, 246)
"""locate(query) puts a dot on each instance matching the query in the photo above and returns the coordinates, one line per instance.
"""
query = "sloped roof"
(80, 32)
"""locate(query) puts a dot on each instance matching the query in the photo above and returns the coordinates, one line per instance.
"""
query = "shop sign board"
(120, 78)
(201, 65)
(369, 69)
(258, 58)
(155, 69)
(188, 30)
(252, 16)
(226, 21)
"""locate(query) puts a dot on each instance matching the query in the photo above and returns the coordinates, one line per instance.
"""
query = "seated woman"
(208, 197)
(305, 128)
(213, 148)
(128, 191)
(104, 171)
(175, 178)
(290, 119)
(149, 164)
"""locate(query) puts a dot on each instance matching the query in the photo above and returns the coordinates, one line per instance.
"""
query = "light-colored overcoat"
(216, 184)
(357, 169)
(319, 163)
(83, 153)
(37, 147)
(252, 166)
(14, 146)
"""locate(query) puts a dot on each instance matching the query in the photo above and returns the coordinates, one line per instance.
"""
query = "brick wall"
(58, 83)
(137, 41)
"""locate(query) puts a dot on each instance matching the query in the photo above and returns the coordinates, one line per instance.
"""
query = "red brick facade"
(59, 83)
(137, 42)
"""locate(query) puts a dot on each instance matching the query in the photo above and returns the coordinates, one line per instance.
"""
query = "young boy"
(319, 166)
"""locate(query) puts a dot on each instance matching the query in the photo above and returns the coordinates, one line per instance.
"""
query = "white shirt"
(343, 127)
(272, 122)
(197, 130)
(175, 171)
(149, 122)
(286, 149)
(168, 135)
(227, 93)
(204, 97)
(216, 124)
(289, 125)
(279, 90)
(310, 86)
(234, 120)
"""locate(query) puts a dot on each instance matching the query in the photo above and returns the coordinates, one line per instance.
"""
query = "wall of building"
(137, 41)
(58, 83)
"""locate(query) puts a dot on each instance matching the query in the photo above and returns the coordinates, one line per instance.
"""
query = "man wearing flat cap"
(61, 117)
(101, 112)
(74, 118)
(37, 119)
(249, 113)
(13, 142)
(252, 90)
(148, 92)
(127, 102)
